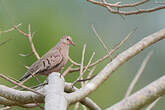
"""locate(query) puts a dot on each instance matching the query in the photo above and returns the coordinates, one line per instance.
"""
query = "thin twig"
(20, 31)
(117, 47)
(81, 67)
(67, 70)
(140, 98)
(73, 62)
(4, 42)
(33, 75)
(150, 107)
(156, 2)
(9, 30)
(99, 38)
(77, 106)
(29, 38)
(18, 84)
(101, 41)
(90, 74)
(81, 73)
(82, 63)
(89, 62)
(138, 74)
(109, 7)
(25, 55)
(110, 53)
(118, 4)
(22, 82)
(31, 43)
(87, 79)
(6, 108)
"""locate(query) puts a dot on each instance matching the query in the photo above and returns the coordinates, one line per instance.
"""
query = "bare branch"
(20, 31)
(118, 5)
(81, 67)
(82, 61)
(23, 97)
(73, 62)
(110, 53)
(12, 97)
(76, 107)
(6, 108)
(143, 97)
(30, 39)
(22, 82)
(153, 104)
(99, 38)
(101, 41)
(90, 74)
(115, 64)
(54, 93)
(67, 70)
(89, 62)
(29, 35)
(159, 2)
(140, 71)
(31, 43)
(10, 103)
(18, 84)
(9, 30)
(140, 11)
(4, 42)
(86, 101)
(81, 74)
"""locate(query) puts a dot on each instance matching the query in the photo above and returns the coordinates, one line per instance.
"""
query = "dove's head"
(67, 40)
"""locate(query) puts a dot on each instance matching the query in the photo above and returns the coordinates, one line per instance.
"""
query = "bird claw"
(61, 75)
(72, 86)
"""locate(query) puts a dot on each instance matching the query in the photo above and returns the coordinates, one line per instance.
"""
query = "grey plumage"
(53, 61)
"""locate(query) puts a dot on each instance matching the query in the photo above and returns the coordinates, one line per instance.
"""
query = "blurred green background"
(51, 19)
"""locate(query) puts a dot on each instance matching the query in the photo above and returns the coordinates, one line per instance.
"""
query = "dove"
(53, 61)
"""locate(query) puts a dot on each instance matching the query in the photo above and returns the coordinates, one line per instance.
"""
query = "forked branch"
(115, 8)
(115, 64)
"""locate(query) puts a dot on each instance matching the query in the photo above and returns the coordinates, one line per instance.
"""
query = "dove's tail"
(25, 76)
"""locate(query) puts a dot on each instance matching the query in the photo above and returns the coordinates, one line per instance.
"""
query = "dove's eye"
(67, 39)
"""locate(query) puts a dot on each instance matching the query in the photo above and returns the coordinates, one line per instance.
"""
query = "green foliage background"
(51, 19)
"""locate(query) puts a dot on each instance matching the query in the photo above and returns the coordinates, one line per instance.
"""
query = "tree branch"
(143, 97)
(108, 54)
(150, 107)
(11, 29)
(138, 74)
(23, 97)
(54, 93)
(115, 64)
(28, 99)
(110, 7)
(29, 35)
(86, 101)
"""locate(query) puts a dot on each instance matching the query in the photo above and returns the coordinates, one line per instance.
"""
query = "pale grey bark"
(23, 97)
(54, 93)
(153, 91)
(114, 65)
(13, 97)
(143, 97)
(90, 104)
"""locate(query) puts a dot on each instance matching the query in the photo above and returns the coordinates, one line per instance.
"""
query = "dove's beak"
(71, 42)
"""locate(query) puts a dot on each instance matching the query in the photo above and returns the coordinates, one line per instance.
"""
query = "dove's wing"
(50, 60)
(47, 62)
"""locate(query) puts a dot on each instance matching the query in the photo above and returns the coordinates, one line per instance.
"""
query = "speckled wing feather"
(49, 61)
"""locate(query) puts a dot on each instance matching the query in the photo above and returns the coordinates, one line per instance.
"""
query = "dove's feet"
(61, 75)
